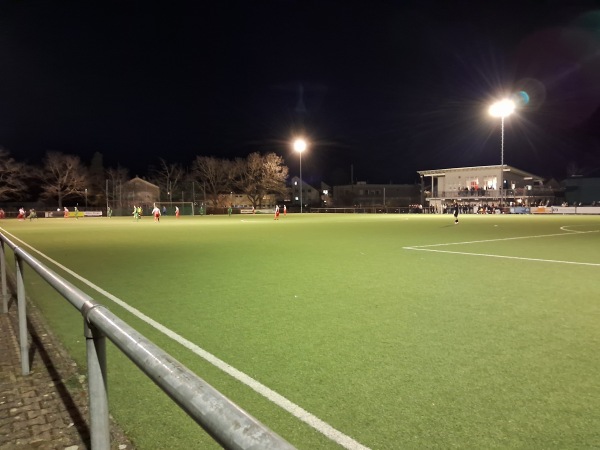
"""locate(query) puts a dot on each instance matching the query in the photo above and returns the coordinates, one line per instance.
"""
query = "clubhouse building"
(494, 186)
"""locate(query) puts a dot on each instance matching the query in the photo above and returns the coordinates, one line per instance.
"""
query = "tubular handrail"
(227, 423)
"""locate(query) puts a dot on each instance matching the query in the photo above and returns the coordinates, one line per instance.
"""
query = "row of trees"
(64, 178)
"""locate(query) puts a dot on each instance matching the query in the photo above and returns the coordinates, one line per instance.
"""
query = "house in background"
(310, 195)
(326, 195)
(481, 185)
(140, 192)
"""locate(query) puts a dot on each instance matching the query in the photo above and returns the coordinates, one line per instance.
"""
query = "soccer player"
(21, 214)
(109, 212)
(136, 214)
(456, 208)
(276, 212)
(156, 214)
(284, 210)
(177, 212)
(66, 213)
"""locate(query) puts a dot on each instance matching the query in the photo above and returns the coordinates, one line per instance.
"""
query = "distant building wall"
(582, 190)
(363, 194)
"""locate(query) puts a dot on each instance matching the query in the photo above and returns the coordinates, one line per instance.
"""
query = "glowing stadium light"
(502, 108)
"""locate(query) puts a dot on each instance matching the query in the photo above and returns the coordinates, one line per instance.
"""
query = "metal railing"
(226, 422)
(536, 191)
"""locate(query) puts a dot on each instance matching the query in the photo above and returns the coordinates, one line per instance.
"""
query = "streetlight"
(86, 199)
(502, 109)
(300, 146)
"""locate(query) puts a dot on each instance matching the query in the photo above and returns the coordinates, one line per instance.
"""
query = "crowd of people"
(466, 208)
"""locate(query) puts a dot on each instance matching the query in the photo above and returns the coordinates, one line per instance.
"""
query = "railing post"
(3, 275)
(95, 342)
(22, 314)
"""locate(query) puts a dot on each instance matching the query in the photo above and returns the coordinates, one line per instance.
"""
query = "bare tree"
(12, 177)
(168, 178)
(116, 178)
(215, 175)
(63, 177)
(259, 175)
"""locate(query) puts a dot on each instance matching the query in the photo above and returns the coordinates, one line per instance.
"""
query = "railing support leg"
(3, 275)
(97, 385)
(22, 313)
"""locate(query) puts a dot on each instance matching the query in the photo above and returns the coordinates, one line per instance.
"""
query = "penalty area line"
(504, 257)
(287, 405)
(569, 233)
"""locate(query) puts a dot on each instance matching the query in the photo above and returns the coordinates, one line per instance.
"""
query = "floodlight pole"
(300, 153)
(299, 146)
(501, 162)
(502, 109)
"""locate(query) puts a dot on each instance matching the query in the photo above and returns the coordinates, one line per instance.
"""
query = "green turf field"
(399, 331)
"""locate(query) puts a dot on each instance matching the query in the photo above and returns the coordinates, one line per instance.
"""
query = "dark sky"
(385, 87)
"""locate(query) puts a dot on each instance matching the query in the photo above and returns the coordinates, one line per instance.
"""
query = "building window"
(490, 182)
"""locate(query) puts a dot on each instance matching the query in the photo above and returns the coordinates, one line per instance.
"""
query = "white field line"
(427, 248)
(297, 411)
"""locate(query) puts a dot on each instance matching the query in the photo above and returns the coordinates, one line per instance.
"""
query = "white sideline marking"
(295, 410)
(427, 248)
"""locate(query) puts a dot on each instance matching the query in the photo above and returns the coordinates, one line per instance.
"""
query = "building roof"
(140, 180)
(442, 172)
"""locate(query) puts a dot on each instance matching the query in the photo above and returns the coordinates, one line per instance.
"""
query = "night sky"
(384, 87)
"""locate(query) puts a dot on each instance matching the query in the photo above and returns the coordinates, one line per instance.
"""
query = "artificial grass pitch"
(366, 321)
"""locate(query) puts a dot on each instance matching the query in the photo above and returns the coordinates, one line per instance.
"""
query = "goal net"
(170, 208)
